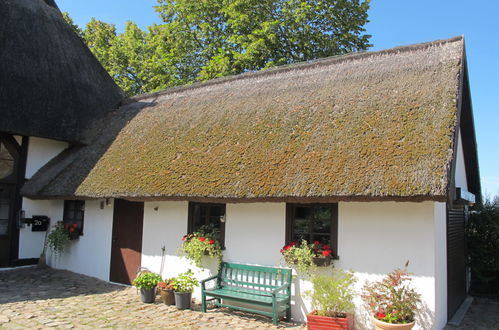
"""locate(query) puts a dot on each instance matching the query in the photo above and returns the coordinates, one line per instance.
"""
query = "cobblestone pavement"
(47, 298)
(483, 314)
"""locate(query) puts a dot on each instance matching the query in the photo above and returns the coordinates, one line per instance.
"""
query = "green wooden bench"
(251, 285)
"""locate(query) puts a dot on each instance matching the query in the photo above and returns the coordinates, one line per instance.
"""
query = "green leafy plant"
(392, 300)
(185, 282)
(146, 280)
(58, 238)
(202, 243)
(333, 295)
(302, 255)
(482, 238)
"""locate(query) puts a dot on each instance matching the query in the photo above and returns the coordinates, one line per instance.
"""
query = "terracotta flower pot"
(317, 322)
(380, 325)
(167, 296)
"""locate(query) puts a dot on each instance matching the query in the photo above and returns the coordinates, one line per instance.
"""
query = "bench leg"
(275, 314)
(203, 302)
(288, 313)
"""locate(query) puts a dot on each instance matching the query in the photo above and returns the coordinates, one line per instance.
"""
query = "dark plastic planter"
(183, 300)
(148, 295)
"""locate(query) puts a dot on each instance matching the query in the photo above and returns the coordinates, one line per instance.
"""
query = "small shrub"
(482, 236)
(391, 299)
(333, 295)
(185, 282)
(146, 280)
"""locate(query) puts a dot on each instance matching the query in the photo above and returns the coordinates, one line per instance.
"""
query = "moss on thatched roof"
(50, 83)
(376, 125)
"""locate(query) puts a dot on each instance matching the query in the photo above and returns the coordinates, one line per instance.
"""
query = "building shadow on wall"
(33, 283)
(63, 175)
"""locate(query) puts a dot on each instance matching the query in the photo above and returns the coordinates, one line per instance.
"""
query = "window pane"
(74, 213)
(322, 213)
(301, 226)
(216, 211)
(303, 212)
(323, 239)
(299, 237)
(4, 225)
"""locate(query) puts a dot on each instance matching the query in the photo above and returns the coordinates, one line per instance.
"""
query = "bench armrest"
(207, 280)
(282, 287)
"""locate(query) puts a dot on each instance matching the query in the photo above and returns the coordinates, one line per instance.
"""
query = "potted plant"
(165, 289)
(332, 301)
(58, 238)
(183, 286)
(202, 243)
(147, 281)
(392, 301)
(306, 256)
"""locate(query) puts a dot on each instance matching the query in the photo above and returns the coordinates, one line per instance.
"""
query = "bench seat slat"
(244, 296)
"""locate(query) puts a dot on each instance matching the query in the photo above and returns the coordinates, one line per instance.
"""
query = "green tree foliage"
(483, 247)
(204, 39)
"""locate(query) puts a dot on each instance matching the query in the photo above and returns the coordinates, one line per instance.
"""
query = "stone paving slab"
(46, 298)
(483, 314)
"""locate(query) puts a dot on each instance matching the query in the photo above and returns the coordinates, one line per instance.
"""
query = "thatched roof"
(377, 125)
(50, 83)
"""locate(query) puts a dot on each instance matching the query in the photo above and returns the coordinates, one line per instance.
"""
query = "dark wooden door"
(456, 259)
(126, 246)
(6, 222)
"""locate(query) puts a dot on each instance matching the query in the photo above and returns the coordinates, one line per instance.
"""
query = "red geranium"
(202, 239)
(325, 253)
(316, 243)
(211, 242)
(71, 230)
(183, 238)
(380, 315)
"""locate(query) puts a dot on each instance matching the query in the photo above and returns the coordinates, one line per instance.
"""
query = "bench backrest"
(259, 278)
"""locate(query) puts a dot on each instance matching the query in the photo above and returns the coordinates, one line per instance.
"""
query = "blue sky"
(393, 23)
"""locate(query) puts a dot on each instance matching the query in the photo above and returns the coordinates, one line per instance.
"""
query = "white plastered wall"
(40, 151)
(460, 175)
(374, 238)
(440, 221)
(91, 253)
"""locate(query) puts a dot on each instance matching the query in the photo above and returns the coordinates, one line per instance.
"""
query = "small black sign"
(40, 223)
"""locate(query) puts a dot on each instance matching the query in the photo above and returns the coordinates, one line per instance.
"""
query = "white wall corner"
(440, 232)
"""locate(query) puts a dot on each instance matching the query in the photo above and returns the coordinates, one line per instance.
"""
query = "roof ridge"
(298, 66)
